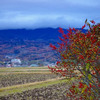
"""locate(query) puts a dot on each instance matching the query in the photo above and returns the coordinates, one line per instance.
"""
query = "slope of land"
(32, 86)
(30, 46)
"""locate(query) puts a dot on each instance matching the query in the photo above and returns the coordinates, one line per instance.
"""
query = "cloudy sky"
(33, 14)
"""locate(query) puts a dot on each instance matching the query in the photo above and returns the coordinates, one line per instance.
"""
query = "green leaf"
(76, 90)
(85, 86)
(91, 98)
(87, 66)
(84, 73)
(89, 76)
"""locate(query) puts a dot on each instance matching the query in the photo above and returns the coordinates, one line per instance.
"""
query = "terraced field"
(14, 79)
(31, 84)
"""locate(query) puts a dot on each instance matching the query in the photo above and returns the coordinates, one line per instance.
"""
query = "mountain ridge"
(32, 34)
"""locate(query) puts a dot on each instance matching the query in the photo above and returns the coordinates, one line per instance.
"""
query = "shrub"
(80, 56)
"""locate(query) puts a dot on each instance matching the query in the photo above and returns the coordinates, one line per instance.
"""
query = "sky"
(32, 14)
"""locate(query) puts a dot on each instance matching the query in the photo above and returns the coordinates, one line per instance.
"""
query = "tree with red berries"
(80, 57)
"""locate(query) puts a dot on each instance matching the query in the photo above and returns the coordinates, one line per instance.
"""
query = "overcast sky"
(33, 14)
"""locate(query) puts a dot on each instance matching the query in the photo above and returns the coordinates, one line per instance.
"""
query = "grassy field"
(24, 69)
(19, 80)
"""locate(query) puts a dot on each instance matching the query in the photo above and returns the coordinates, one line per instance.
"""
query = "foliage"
(28, 51)
(80, 56)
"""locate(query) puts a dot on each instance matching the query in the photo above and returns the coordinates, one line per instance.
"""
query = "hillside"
(31, 46)
(45, 34)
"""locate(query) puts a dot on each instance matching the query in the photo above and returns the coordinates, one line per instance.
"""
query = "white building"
(15, 62)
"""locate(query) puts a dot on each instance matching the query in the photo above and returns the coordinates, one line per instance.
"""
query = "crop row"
(53, 92)
(14, 79)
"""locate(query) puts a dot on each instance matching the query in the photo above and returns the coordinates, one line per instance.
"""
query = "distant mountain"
(42, 33)
(29, 45)
(45, 34)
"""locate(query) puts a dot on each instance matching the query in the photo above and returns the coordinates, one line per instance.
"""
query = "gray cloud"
(47, 13)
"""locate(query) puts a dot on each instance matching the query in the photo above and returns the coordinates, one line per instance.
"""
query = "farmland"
(36, 83)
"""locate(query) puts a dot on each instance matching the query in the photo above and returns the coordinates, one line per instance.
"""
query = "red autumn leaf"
(65, 36)
(92, 21)
(81, 85)
(93, 41)
(74, 29)
(61, 39)
(81, 57)
(73, 86)
(58, 62)
(90, 85)
(88, 35)
(83, 26)
(60, 30)
(53, 47)
(64, 56)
